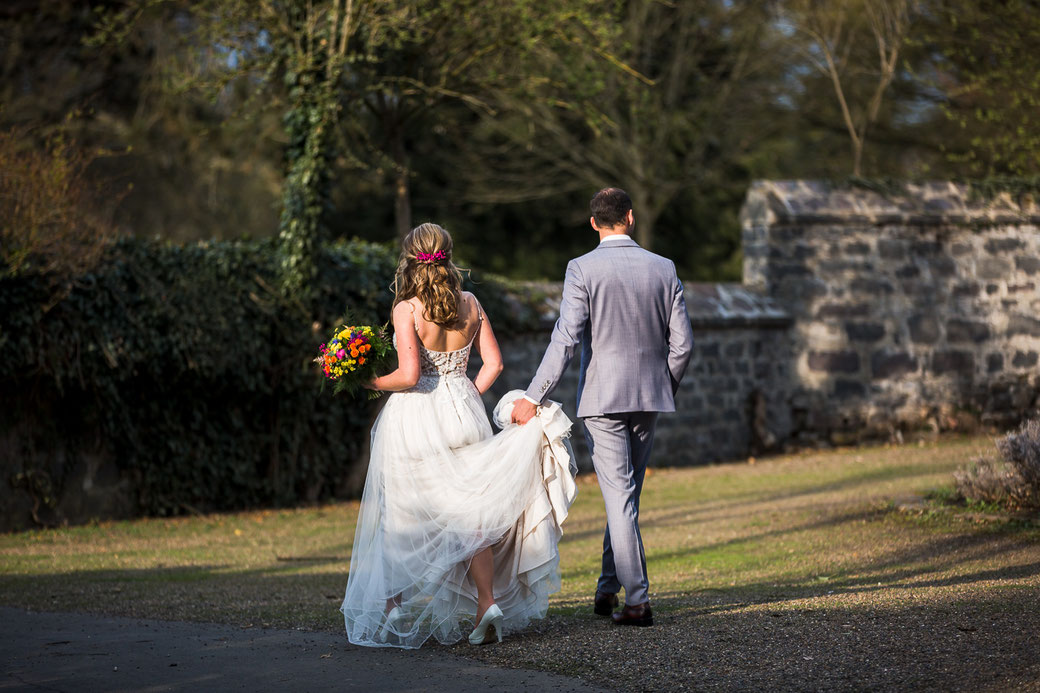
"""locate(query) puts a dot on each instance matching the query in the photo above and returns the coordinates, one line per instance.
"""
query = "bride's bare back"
(437, 338)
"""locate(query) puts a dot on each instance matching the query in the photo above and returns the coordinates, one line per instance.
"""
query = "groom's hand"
(523, 411)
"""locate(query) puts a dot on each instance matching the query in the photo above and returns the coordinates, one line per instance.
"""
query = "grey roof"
(711, 305)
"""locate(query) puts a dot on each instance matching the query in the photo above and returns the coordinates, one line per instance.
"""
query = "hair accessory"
(430, 258)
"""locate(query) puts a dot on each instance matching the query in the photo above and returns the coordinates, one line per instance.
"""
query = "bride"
(456, 525)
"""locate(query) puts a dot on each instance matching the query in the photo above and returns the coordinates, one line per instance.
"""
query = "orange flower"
(361, 360)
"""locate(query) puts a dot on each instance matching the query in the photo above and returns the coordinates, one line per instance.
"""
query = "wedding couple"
(460, 526)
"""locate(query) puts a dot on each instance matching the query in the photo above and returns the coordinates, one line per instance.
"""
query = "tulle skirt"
(440, 488)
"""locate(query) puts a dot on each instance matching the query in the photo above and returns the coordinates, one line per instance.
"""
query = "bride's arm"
(407, 373)
(490, 356)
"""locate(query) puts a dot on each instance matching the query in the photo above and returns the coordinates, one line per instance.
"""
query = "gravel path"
(924, 630)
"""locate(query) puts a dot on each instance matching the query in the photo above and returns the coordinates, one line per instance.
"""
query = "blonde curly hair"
(426, 272)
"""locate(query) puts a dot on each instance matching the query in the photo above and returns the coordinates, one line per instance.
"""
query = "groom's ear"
(592, 221)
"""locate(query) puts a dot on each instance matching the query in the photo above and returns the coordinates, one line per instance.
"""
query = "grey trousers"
(620, 445)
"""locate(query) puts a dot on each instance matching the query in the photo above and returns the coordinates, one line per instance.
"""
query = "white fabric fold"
(439, 489)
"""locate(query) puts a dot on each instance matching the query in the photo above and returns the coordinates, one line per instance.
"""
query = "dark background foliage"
(235, 146)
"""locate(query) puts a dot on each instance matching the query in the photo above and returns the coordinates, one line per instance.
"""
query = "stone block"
(992, 288)
(890, 249)
(959, 249)
(801, 288)
(779, 272)
(834, 361)
(924, 328)
(857, 248)
(1030, 264)
(966, 289)
(1017, 288)
(1024, 359)
(925, 248)
(889, 364)
(943, 266)
(1003, 245)
(734, 350)
(953, 361)
(849, 389)
(871, 286)
(1023, 324)
(803, 251)
(994, 363)
(841, 266)
(710, 350)
(966, 331)
(993, 268)
(908, 272)
(843, 310)
(864, 331)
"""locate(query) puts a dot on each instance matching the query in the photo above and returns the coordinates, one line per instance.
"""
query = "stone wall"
(909, 309)
(740, 368)
(862, 315)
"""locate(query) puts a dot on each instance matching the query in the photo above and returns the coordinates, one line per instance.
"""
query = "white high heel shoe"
(393, 619)
(492, 619)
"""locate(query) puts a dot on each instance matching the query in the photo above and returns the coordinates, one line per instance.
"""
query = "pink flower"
(341, 354)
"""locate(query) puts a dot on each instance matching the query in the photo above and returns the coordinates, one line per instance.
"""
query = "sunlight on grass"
(795, 526)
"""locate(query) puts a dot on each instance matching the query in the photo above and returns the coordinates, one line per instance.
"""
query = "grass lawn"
(798, 571)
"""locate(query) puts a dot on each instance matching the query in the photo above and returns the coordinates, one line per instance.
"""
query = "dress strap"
(415, 318)
(480, 320)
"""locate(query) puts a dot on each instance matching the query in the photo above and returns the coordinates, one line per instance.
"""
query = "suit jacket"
(624, 305)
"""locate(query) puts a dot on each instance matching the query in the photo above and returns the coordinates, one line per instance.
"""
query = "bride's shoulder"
(406, 308)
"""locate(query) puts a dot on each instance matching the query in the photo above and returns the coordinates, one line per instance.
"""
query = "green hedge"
(186, 366)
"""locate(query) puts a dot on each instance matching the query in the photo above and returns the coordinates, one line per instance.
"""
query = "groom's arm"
(680, 336)
(566, 336)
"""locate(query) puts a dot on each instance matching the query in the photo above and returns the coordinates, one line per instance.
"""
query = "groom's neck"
(615, 231)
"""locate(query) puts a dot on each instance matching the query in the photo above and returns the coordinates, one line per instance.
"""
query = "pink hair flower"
(430, 258)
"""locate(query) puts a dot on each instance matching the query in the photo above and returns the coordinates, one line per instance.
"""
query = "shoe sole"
(603, 612)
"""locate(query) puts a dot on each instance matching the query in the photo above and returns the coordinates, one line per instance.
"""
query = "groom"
(624, 306)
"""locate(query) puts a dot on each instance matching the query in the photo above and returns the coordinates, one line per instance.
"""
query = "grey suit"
(625, 306)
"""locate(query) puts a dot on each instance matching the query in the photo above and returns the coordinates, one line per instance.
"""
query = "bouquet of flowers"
(353, 356)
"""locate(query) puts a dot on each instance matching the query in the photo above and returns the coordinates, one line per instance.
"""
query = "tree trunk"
(402, 193)
(646, 216)
(402, 204)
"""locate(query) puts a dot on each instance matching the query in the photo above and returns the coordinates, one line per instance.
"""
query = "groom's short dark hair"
(610, 207)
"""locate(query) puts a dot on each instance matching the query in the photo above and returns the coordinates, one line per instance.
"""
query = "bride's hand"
(370, 385)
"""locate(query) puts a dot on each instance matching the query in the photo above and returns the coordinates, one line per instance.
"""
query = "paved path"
(79, 653)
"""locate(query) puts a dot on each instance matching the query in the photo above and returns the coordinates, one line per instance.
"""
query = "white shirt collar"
(616, 237)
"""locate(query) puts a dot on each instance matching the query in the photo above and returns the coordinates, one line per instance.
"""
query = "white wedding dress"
(440, 488)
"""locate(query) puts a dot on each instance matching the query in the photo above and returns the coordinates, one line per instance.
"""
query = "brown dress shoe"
(635, 615)
(605, 603)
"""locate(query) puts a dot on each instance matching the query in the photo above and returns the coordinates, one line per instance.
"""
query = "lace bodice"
(444, 362)
(440, 364)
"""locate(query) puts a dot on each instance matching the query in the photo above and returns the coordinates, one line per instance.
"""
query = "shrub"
(185, 368)
(1013, 479)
